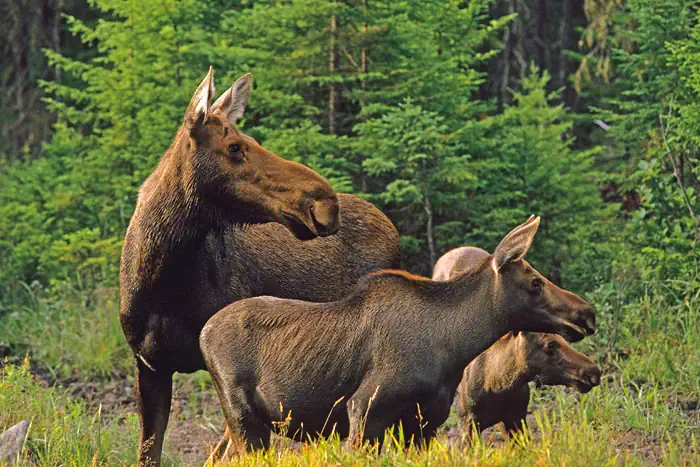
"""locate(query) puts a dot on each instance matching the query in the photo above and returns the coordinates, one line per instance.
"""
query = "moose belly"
(306, 414)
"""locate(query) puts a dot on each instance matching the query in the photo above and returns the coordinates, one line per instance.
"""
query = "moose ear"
(199, 108)
(514, 246)
(234, 101)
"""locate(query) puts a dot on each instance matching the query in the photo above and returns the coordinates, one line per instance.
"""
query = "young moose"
(495, 385)
(397, 343)
(190, 248)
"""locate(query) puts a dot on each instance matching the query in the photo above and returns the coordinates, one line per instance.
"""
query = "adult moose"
(189, 249)
(397, 343)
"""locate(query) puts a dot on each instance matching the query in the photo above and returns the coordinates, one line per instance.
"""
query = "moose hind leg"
(220, 449)
(153, 391)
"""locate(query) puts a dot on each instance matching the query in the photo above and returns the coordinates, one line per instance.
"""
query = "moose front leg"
(514, 426)
(241, 406)
(370, 412)
(153, 392)
(516, 421)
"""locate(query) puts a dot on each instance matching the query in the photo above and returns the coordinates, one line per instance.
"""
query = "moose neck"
(474, 313)
(505, 367)
(171, 214)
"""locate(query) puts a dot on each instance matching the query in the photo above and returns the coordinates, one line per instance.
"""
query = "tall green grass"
(650, 334)
(62, 431)
(569, 429)
(77, 334)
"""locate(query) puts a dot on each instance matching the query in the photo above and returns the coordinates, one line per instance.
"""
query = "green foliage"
(652, 336)
(410, 146)
(526, 163)
(653, 123)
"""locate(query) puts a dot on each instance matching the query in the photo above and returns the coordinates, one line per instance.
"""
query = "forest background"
(458, 119)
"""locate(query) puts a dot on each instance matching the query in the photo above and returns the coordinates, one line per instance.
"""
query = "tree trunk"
(539, 34)
(564, 27)
(363, 52)
(363, 81)
(427, 206)
(520, 52)
(507, 46)
(333, 57)
(57, 38)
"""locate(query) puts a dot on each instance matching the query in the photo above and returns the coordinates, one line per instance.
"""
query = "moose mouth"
(582, 386)
(587, 325)
(571, 332)
(299, 228)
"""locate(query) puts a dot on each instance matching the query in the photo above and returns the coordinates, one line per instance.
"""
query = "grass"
(651, 339)
(645, 412)
(616, 424)
(569, 430)
(62, 431)
(76, 335)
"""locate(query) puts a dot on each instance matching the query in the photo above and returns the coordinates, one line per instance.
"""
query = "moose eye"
(234, 152)
(550, 346)
(536, 285)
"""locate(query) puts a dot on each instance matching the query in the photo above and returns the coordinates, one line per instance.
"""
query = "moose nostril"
(586, 319)
(594, 377)
(325, 214)
(590, 324)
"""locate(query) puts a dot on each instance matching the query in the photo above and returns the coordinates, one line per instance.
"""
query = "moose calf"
(381, 356)
(495, 385)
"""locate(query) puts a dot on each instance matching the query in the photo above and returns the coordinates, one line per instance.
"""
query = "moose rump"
(295, 354)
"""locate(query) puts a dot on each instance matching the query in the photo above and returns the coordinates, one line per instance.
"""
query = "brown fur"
(495, 385)
(394, 344)
(191, 248)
